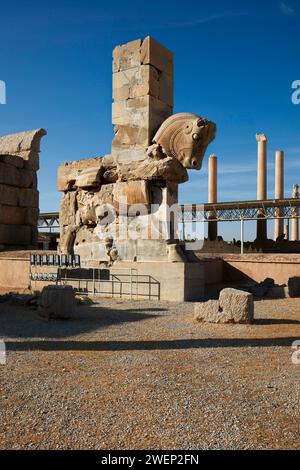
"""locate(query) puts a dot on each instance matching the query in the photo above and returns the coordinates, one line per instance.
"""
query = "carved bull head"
(185, 136)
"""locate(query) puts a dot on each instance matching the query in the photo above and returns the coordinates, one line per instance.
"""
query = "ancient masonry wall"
(142, 96)
(142, 100)
(19, 197)
(151, 151)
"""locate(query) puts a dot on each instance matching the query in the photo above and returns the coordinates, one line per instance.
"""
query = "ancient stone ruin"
(19, 197)
(117, 207)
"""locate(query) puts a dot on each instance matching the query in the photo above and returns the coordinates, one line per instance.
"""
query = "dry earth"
(134, 375)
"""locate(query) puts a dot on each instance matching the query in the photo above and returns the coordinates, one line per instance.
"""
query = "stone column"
(261, 182)
(279, 191)
(142, 96)
(286, 231)
(294, 220)
(212, 194)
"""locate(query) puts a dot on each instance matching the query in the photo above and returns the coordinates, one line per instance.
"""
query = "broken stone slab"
(57, 302)
(25, 145)
(168, 169)
(237, 305)
(68, 173)
(88, 178)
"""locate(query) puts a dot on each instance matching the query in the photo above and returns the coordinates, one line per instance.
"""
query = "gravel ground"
(140, 375)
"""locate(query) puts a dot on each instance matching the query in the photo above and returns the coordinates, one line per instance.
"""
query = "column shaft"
(212, 194)
(279, 191)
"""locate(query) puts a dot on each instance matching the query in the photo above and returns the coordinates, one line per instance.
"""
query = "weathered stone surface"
(294, 286)
(21, 178)
(68, 173)
(89, 178)
(142, 81)
(208, 311)
(57, 302)
(238, 306)
(133, 192)
(157, 55)
(68, 208)
(18, 215)
(167, 169)
(127, 56)
(18, 162)
(27, 197)
(25, 145)
(233, 306)
(15, 235)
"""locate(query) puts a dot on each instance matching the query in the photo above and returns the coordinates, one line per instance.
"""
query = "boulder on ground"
(237, 305)
(57, 302)
(233, 306)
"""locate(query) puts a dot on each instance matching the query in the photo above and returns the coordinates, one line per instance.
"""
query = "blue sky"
(234, 64)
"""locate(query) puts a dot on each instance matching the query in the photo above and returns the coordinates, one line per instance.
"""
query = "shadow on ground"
(21, 322)
(148, 345)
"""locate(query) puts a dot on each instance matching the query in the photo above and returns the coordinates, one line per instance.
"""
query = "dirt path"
(134, 375)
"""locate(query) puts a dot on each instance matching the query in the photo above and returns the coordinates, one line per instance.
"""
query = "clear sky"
(234, 63)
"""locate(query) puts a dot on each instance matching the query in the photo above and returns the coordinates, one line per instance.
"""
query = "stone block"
(25, 145)
(9, 195)
(134, 192)
(237, 306)
(68, 172)
(129, 136)
(136, 82)
(208, 312)
(28, 198)
(57, 302)
(21, 178)
(127, 56)
(155, 54)
(13, 196)
(10, 215)
(16, 161)
(233, 306)
(88, 178)
(15, 235)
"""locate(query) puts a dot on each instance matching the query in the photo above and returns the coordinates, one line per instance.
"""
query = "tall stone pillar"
(294, 220)
(212, 194)
(142, 96)
(279, 191)
(286, 231)
(261, 182)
